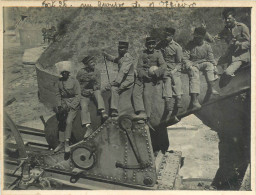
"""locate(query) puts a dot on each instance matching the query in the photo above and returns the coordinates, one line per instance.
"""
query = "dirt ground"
(197, 142)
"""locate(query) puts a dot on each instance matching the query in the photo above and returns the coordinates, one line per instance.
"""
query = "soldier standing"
(90, 82)
(237, 36)
(151, 65)
(172, 53)
(68, 101)
(199, 56)
(125, 77)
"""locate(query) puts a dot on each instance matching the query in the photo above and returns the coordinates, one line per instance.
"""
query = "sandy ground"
(197, 142)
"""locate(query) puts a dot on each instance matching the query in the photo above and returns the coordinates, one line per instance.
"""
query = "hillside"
(92, 29)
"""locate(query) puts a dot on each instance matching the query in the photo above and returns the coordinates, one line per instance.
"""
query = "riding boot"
(211, 88)
(59, 147)
(88, 132)
(67, 148)
(169, 105)
(195, 103)
(178, 102)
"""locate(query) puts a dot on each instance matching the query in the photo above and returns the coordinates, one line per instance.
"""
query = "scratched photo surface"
(115, 98)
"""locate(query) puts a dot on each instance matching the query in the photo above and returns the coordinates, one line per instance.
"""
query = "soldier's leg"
(114, 100)
(194, 86)
(99, 99)
(137, 96)
(209, 69)
(100, 103)
(71, 116)
(233, 67)
(177, 88)
(85, 114)
(168, 93)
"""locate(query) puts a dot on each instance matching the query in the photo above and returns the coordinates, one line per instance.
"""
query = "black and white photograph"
(109, 97)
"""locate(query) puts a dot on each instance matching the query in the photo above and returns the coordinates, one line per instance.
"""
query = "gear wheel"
(83, 158)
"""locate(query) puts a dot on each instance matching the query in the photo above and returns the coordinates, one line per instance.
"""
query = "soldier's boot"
(178, 102)
(114, 113)
(211, 88)
(195, 103)
(104, 115)
(59, 147)
(141, 115)
(67, 147)
(88, 132)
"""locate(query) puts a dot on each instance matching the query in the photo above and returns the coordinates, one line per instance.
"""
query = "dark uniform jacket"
(239, 32)
(89, 80)
(148, 59)
(125, 76)
(68, 93)
(195, 54)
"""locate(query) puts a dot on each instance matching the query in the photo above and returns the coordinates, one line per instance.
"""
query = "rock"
(31, 55)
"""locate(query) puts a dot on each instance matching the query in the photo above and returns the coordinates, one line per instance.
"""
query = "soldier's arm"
(179, 57)
(97, 82)
(77, 93)
(245, 43)
(79, 75)
(186, 57)
(162, 65)
(210, 56)
(126, 65)
(109, 57)
(58, 95)
(140, 70)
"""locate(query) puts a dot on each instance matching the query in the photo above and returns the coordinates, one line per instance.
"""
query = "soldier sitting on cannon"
(68, 101)
(125, 77)
(237, 36)
(199, 56)
(90, 81)
(151, 67)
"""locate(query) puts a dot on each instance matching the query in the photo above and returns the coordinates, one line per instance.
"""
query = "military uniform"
(172, 53)
(124, 78)
(90, 82)
(237, 54)
(199, 57)
(68, 96)
(146, 60)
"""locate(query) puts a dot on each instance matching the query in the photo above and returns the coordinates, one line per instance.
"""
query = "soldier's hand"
(237, 43)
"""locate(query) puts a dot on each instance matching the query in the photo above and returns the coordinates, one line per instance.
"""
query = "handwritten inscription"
(117, 4)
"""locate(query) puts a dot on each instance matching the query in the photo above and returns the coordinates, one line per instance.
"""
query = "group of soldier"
(49, 35)
(158, 62)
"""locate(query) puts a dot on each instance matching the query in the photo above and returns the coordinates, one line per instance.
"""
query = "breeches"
(67, 133)
(194, 75)
(233, 67)
(172, 85)
(138, 97)
(85, 114)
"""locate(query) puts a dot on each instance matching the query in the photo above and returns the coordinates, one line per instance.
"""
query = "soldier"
(172, 53)
(68, 101)
(125, 77)
(199, 56)
(90, 82)
(151, 65)
(237, 36)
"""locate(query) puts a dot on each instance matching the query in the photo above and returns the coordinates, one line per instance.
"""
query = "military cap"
(123, 44)
(150, 40)
(87, 59)
(200, 31)
(228, 11)
(170, 30)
